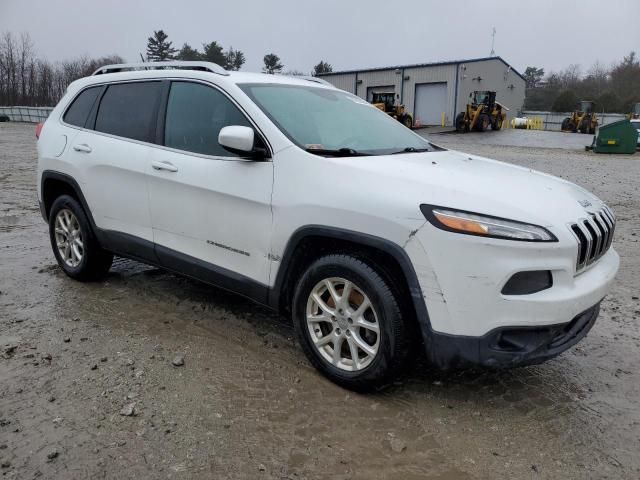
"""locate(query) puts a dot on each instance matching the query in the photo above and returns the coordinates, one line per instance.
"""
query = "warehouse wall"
(495, 75)
(434, 74)
(344, 82)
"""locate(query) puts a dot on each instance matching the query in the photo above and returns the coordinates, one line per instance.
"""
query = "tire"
(391, 344)
(483, 122)
(407, 121)
(461, 125)
(572, 127)
(565, 124)
(585, 124)
(497, 124)
(84, 261)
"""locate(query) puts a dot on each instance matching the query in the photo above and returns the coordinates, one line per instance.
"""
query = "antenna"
(493, 41)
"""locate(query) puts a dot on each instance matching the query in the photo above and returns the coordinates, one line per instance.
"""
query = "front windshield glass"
(323, 119)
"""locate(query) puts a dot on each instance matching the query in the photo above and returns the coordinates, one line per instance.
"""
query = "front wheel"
(349, 323)
(74, 245)
(461, 124)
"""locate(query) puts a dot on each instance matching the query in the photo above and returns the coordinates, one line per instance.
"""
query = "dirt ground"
(246, 404)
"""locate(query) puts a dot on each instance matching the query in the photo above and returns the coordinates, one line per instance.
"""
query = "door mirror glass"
(237, 139)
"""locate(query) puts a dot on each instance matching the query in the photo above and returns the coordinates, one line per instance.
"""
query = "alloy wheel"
(68, 236)
(343, 324)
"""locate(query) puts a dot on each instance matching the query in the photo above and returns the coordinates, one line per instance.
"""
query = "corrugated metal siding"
(377, 79)
(494, 75)
(344, 82)
(435, 74)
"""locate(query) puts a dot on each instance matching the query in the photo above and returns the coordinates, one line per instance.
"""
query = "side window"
(128, 110)
(195, 115)
(79, 110)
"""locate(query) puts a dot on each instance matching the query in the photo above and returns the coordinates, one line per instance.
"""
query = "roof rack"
(309, 78)
(178, 65)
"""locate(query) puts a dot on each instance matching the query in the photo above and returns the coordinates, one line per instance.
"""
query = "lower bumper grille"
(594, 236)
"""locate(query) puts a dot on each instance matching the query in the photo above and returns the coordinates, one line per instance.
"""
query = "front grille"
(594, 236)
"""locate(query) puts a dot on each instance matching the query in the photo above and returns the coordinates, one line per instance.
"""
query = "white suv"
(307, 199)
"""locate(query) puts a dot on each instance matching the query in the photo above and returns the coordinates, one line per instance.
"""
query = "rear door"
(114, 151)
(211, 210)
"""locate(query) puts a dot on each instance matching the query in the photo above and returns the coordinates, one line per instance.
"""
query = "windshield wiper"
(412, 150)
(340, 152)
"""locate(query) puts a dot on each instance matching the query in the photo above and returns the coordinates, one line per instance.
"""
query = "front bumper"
(507, 347)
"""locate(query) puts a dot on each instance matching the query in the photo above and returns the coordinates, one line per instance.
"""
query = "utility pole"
(493, 41)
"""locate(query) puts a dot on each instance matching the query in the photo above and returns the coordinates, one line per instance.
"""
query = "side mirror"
(241, 141)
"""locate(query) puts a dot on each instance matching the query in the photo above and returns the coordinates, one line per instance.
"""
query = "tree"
(158, 48)
(234, 59)
(212, 52)
(272, 64)
(322, 67)
(188, 53)
(532, 76)
(608, 102)
(566, 101)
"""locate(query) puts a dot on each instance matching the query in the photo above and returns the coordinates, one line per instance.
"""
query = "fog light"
(526, 283)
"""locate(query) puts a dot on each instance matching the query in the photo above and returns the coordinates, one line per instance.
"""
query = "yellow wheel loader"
(481, 111)
(386, 101)
(583, 120)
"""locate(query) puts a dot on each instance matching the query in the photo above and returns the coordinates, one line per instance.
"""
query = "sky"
(346, 33)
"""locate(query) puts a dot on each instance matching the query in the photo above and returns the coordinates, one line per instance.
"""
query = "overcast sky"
(347, 33)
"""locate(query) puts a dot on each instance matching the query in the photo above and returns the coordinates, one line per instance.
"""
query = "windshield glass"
(323, 119)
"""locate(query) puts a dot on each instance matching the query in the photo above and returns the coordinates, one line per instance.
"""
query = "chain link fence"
(553, 120)
(26, 114)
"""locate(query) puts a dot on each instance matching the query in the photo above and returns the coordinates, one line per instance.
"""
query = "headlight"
(484, 225)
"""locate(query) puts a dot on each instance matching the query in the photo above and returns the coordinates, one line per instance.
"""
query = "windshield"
(330, 120)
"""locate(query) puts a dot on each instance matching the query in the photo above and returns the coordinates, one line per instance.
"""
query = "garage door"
(381, 89)
(431, 101)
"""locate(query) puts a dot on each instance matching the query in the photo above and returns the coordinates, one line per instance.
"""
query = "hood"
(468, 182)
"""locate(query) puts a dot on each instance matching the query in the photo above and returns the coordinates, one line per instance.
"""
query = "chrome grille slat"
(594, 236)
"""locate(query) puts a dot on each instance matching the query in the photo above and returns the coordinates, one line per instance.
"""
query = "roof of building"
(418, 65)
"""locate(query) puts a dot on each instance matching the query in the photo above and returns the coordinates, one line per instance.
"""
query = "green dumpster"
(616, 137)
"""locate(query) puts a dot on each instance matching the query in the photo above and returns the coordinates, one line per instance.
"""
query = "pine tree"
(188, 53)
(234, 59)
(322, 67)
(272, 64)
(158, 48)
(212, 52)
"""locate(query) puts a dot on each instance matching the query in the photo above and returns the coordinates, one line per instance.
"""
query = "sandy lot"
(246, 404)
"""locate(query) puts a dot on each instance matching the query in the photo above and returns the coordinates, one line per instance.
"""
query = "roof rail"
(174, 64)
(310, 78)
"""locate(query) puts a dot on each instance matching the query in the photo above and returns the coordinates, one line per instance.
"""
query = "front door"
(210, 209)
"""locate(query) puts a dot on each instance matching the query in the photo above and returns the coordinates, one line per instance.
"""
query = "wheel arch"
(310, 242)
(54, 184)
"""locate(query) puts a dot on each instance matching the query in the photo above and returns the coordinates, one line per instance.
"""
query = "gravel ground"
(89, 389)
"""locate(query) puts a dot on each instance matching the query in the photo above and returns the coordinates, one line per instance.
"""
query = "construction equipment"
(583, 120)
(481, 111)
(616, 137)
(635, 112)
(386, 101)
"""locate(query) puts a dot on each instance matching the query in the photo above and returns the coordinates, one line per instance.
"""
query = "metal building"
(433, 91)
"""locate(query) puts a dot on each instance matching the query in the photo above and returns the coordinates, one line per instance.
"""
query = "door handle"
(83, 147)
(168, 166)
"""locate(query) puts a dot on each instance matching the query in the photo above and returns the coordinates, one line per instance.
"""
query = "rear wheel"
(349, 323)
(74, 245)
(407, 121)
(565, 124)
(497, 123)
